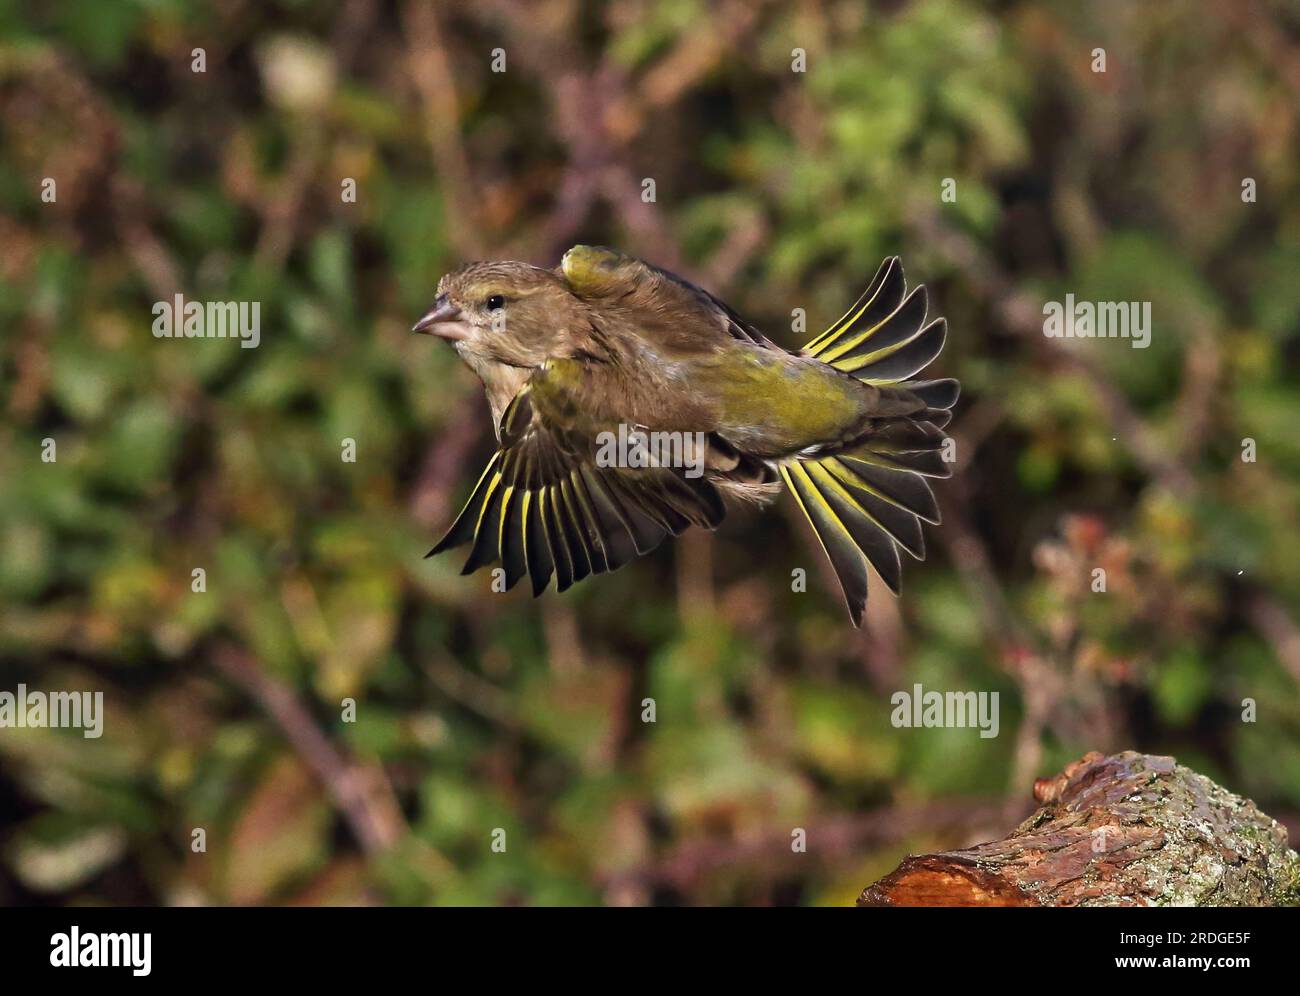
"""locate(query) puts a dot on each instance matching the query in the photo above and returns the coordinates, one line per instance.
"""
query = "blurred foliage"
(478, 712)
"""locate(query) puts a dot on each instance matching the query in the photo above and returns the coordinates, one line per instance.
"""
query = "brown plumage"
(608, 344)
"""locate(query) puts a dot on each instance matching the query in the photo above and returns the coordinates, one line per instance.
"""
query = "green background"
(777, 190)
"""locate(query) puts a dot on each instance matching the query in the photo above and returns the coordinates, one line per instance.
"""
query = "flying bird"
(606, 342)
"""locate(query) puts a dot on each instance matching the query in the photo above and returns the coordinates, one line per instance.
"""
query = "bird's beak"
(443, 320)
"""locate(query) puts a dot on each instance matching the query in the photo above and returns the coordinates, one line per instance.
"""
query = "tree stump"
(1126, 830)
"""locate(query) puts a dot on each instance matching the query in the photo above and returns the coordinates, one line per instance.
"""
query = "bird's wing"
(544, 505)
(596, 272)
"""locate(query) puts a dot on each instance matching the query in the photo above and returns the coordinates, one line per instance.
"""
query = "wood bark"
(1125, 830)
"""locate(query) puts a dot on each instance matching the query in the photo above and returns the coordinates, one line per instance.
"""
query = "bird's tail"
(868, 500)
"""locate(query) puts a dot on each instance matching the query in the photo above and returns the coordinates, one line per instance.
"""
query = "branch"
(429, 65)
(1126, 830)
(360, 792)
(831, 838)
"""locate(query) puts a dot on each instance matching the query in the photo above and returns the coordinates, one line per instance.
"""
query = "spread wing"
(599, 272)
(543, 506)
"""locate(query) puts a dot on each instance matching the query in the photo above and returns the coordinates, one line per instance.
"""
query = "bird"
(607, 343)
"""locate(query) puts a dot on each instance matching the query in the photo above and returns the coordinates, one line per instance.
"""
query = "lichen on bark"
(1125, 830)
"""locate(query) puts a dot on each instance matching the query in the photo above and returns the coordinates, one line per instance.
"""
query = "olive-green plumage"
(608, 342)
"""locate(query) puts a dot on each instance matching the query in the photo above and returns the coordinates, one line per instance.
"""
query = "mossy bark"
(1126, 830)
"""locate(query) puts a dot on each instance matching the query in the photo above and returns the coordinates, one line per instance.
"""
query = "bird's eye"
(495, 302)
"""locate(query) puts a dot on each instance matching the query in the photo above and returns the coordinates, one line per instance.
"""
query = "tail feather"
(898, 362)
(937, 417)
(889, 332)
(883, 339)
(902, 527)
(904, 489)
(844, 554)
(862, 513)
(868, 500)
(940, 394)
(904, 445)
(877, 302)
(868, 534)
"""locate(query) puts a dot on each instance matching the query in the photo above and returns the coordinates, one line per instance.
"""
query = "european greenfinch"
(628, 402)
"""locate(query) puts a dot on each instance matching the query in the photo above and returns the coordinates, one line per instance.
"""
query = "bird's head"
(510, 313)
(504, 319)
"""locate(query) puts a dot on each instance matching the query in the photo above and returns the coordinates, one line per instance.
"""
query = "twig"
(151, 258)
(471, 691)
(430, 68)
(282, 207)
(828, 839)
(564, 650)
(1278, 628)
(361, 793)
